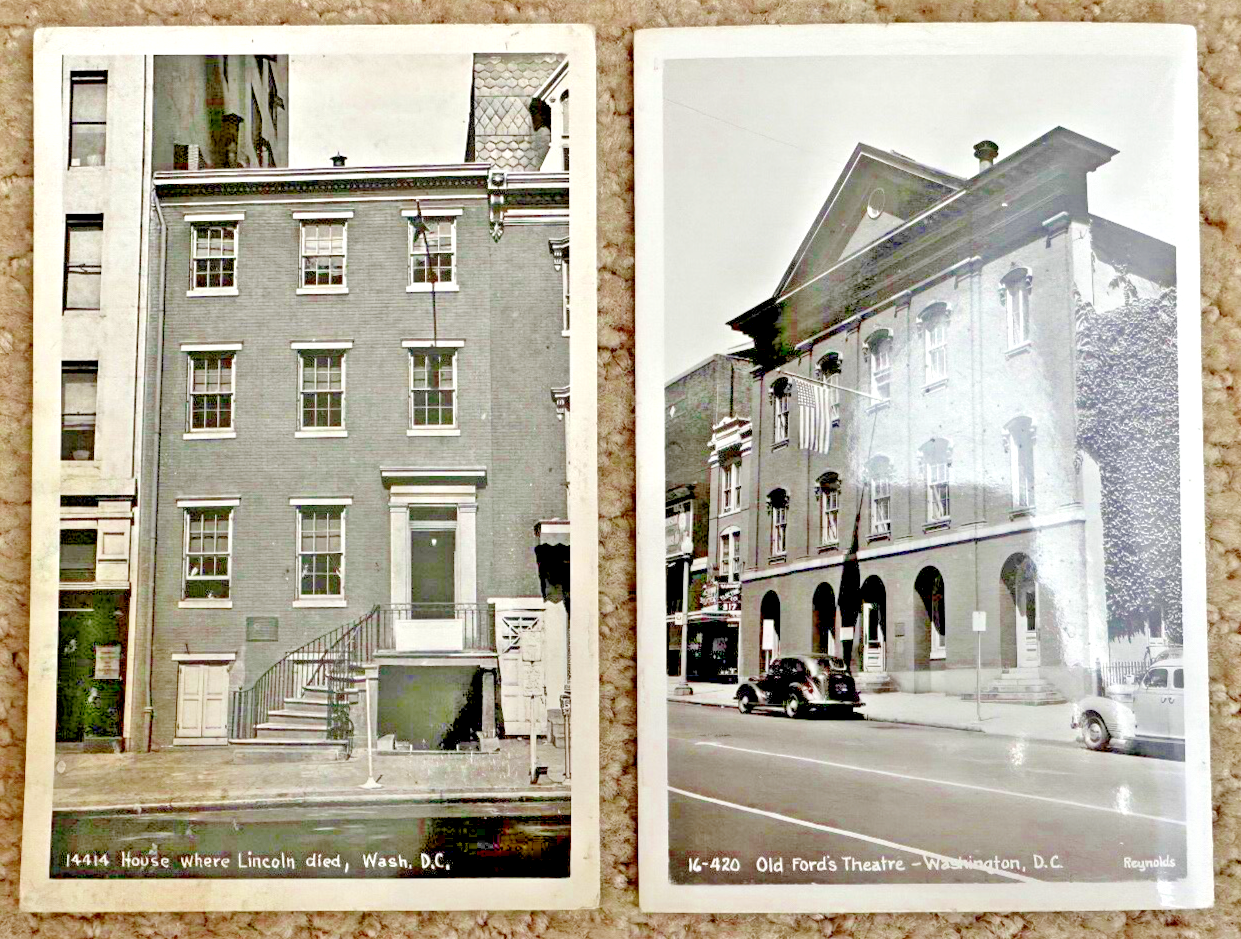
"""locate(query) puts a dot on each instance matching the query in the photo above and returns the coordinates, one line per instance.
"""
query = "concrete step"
(275, 750)
(298, 718)
(323, 694)
(302, 706)
(278, 730)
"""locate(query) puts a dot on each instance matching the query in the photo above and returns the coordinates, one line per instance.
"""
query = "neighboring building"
(362, 443)
(953, 303)
(108, 138)
(519, 105)
(717, 622)
(696, 402)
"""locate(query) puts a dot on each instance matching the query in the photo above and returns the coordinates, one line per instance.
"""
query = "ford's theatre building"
(953, 303)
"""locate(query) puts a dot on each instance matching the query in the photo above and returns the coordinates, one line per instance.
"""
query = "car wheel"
(1095, 732)
(794, 705)
(745, 702)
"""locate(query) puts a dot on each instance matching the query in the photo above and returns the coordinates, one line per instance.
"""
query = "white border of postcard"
(581, 888)
(652, 49)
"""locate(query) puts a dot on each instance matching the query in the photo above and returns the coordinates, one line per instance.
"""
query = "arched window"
(780, 411)
(778, 506)
(879, 355)
(829, 368)
(936, 458)
(880, 473)
(934, 323)
(930, 589)
(1019, 442)
(730, 555)
(829, 510)
(1015, 292)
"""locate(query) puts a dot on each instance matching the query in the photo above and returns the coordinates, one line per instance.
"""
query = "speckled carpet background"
(1219, 31)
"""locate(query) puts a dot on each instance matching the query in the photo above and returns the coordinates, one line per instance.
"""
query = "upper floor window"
(213, 253)
(79, 389)
(432, 388)
(564, 130)
(321, 386)
(321, 551)
(432, 252)
(778, 504)
(934, 322)
(1015, 291)
(209, 398)
(83, 262)
(323, 254)
(879, 355)
(730, 555)
(88, 118)
(829, 509)
(936, 458)
(780, 411)
(730, 486)
(564, 284)
(208, 552)
(1019, 442)
(829, 368)
(880, 496)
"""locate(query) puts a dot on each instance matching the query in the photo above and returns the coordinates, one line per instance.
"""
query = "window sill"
(875, 406)
(1021, 511)
(426, 288)
(780, 444)
(939, 655)
(938, 524)
(433, 432)
(322, 432)
(205, 604)
(565, 333)
(777, 559)
(213, 292)
(1017, 350)
(92, 465)
(879, 536)
(319, 602)
(833, 546)
(935, 385)
(209, 435)
(731, 512)
(327, 288)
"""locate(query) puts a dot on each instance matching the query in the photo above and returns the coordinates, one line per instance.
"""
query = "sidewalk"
(1050, 722)
(212, 777)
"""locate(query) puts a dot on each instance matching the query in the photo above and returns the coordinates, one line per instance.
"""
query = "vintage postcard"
(314, 443)
(922, 608)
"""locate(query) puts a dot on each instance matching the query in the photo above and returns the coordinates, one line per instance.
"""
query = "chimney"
(986, 151)
(339, 160)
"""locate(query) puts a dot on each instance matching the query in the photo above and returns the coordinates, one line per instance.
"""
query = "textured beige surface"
(1219, 26)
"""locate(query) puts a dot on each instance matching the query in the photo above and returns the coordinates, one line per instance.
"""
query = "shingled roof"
(504, 130)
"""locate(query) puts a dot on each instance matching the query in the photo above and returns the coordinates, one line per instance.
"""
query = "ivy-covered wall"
(1128, 421)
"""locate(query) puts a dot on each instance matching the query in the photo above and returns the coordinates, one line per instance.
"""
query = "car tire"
(1095, 734)
(745, 702)
(794, 706)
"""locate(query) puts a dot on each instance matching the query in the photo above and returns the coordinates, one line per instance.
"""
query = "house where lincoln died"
(959, 306)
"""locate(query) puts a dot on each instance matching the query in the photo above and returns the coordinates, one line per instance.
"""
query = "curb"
(455, 797)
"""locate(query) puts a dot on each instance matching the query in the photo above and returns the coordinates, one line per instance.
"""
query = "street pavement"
(836, 801)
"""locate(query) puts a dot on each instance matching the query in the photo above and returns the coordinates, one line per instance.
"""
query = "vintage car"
(799, 684)
(1148, 709)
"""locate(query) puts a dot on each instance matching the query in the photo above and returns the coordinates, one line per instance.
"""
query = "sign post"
(980, 627)
(532, 679)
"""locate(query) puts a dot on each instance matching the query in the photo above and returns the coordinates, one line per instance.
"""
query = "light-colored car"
(1149, 709)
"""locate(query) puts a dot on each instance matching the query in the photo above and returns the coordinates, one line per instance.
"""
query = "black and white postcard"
(922, 607)
(314, 443)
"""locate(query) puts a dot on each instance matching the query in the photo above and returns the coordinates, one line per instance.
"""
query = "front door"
(1028, 655)
(872, 656)
(202, 701)
(432, 572)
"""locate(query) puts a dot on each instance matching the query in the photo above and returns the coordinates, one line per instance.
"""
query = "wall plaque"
(262, 628)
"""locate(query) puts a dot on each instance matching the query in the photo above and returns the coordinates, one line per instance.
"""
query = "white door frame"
(464, 498)
(1029, 652)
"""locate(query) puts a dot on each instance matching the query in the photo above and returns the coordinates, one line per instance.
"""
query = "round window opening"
(874, 205)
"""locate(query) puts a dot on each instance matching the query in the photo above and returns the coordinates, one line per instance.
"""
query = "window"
(730, 486)
(323, 253)
(322, 388)
(778, 504)
(780, 411)
(88, 114)
(1015, 292)
(79, 389)
(77, 555)
(829, 510)
(936, 458)
(730, 555)
(208, 549)
(880, 497)
(321, 551)
(215, 258)
(879, 349)
(829, 368)
(1156, 678)
(432, 252)
(564, 283)
(210, 397)
(432, 388)
(1019, 441)
(930, 586)
(935, 342)
(83, 262)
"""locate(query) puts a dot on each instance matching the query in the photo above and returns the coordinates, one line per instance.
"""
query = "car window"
(797, 668)
(1178, 679)
(1156, 678)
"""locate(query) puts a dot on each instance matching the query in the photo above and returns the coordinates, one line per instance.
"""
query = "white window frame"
(1017, 288)
(730, 555)
(938, 492)
(442, 346)
(880, 359)
(780, 415)
(302, 349)
(565, 284)
(730, 487)
(779, 529)
(935, 345)
(1021, 466)
(881, 494)
(432, 215)
(322, 218)
(300, 504)
(190, 350)
(196, 222)
(829, 514)
(188, 507)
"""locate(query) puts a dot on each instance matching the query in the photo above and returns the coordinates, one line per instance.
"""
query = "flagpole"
(431, 275)
(815, 381)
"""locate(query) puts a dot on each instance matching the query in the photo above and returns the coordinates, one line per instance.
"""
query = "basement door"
(202, 702)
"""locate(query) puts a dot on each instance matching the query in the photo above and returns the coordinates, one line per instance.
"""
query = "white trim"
(336, 289)
(320, 432)
(433, 432)
(328, 344)
(321, 500)
(432, 343)
(209, 435)
(213, 292)
(293, 200)
(306, 603)
(200, 741)
(440, 287)
(311, 216)
(439, 211)
(211, 347)
(476, 472)
(205, 604)
(204, 657)
(214, 217)
(267, 175)
(319, 600)
(208, 502)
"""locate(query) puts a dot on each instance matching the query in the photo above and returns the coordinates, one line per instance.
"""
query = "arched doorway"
(930, 634)
(769, 633)
(1019, 612)
(823, 621)
(874, 625)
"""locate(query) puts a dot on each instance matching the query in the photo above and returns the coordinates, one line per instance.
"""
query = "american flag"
(815, 414)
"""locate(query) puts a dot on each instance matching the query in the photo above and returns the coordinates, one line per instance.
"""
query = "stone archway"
(930, 629)
(823, 621)
(769, 629)
(874, 625)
